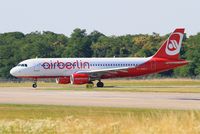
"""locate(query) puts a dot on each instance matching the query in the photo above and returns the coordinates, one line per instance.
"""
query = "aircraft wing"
(100, 72)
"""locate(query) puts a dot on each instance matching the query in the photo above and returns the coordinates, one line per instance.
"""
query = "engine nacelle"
(79, 79)
(63, 80)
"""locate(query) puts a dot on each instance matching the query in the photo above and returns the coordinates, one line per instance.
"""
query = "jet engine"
(79, 79)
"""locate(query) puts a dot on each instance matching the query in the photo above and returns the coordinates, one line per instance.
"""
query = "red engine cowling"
(63, 80)
(79, 79)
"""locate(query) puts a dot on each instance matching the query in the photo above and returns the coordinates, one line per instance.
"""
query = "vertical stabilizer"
(171, 47)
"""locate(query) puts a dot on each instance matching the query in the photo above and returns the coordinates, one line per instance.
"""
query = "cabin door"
(37, 67)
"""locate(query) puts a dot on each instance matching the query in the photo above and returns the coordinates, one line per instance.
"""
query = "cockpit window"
(22, 65)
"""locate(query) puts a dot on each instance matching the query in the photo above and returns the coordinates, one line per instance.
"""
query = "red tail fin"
(171, 47)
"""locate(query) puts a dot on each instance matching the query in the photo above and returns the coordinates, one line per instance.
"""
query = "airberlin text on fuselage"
(78, 64)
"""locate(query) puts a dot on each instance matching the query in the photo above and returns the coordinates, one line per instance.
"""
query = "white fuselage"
(55, 67)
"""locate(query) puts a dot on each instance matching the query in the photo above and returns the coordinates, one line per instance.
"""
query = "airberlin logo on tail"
(174, 44)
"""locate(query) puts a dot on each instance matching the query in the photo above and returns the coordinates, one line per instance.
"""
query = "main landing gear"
(100, 84)
(34, 84)
(90, 84)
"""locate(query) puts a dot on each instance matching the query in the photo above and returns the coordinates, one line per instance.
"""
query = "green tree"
(192, 54)
(79, 45)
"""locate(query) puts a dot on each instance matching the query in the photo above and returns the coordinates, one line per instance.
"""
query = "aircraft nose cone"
(13, 71)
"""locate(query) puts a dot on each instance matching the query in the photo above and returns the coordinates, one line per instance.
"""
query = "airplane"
(86, 70)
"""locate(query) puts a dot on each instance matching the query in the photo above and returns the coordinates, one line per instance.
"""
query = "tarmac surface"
(28, 95)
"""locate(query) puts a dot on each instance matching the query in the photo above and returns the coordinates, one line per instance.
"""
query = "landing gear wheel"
(34, 85)
(100, 84)
(90, 85)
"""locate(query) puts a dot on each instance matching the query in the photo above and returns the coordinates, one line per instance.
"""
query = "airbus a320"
(86, 70)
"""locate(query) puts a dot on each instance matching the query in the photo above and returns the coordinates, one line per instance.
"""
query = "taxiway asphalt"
(26, 95)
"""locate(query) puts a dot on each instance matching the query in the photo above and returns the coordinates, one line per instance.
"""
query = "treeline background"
(16, 46)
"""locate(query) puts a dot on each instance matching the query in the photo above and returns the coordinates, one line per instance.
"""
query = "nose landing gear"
(34, 83)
